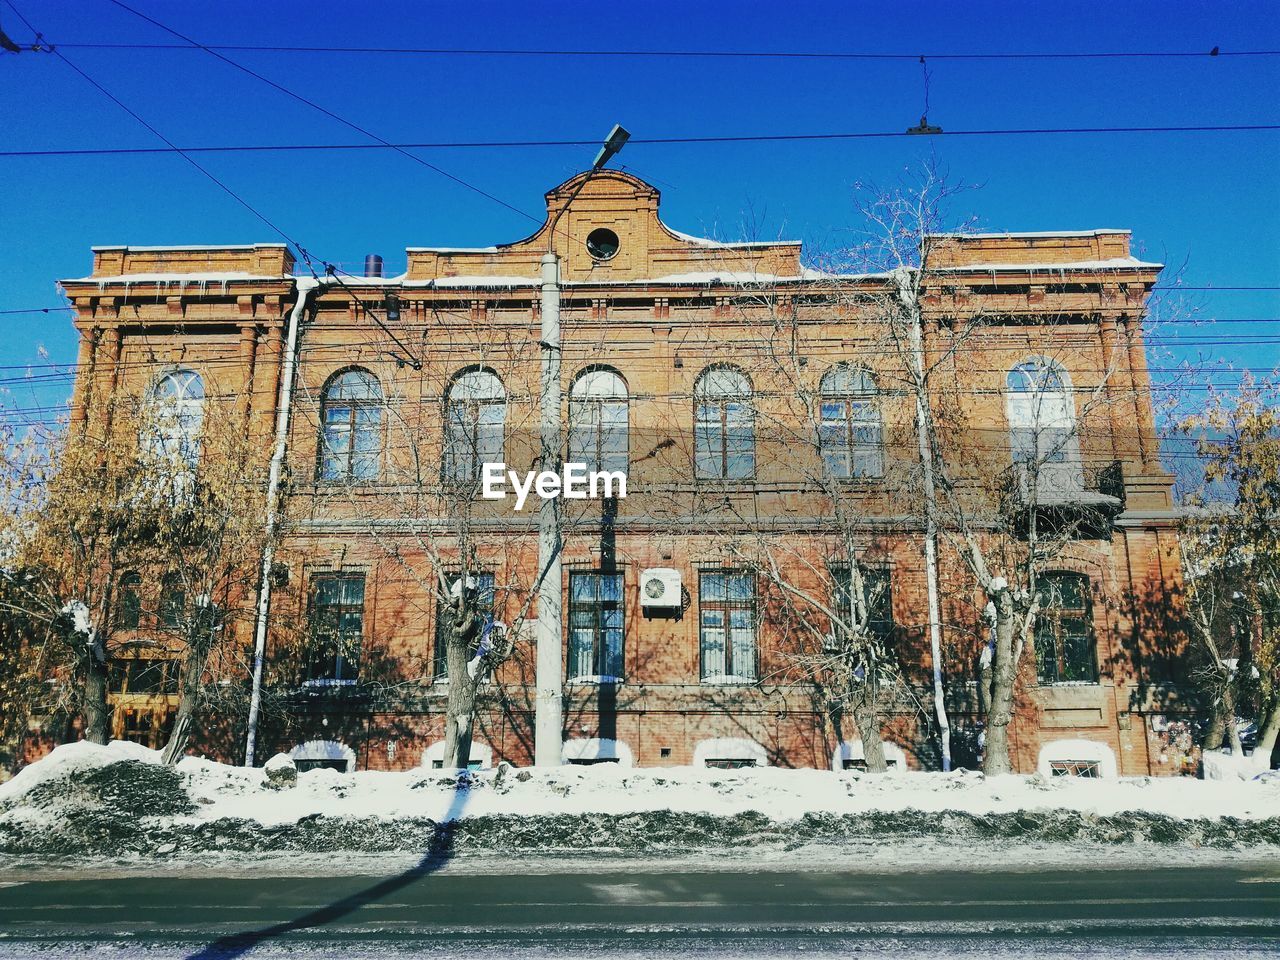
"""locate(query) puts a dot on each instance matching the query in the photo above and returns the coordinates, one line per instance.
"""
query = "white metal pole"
(305, 288)
(549, 679)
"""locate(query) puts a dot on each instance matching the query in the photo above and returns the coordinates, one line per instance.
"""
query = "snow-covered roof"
(190, 246)
(1113, 263)
(1029, 234)
(721, 244)
(475, 281)
(451, 249)
(179, 278)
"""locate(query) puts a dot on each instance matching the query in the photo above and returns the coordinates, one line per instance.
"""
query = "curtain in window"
(727, 624)
(595, 624)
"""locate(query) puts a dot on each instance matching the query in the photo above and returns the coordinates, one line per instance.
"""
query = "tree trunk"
(188, 701)
(995, 759)
(1268, 734)
(1233, 728)
(460, 711)
(867, 719)
(97, 714)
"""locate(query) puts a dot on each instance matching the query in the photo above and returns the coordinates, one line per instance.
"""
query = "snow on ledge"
(1113, 263)
(597, 749)
(853, 750)
(198, 278)
(729, 748)
(481, 753)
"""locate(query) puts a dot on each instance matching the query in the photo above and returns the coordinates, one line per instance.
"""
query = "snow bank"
(1226, 766)
(117, 798)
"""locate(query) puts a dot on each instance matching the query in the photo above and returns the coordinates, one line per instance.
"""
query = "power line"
(721, 54)
(642, 141)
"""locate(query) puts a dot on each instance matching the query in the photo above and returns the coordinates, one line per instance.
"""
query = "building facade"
(684, 361)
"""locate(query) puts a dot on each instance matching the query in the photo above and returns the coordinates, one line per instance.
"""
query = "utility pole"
(548, 728)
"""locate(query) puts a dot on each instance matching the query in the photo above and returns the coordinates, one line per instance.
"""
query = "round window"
(602, 243)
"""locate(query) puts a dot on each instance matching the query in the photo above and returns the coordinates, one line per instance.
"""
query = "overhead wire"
(1210, 53)
(403, 147)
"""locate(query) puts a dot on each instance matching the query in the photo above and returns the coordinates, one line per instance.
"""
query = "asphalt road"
(1167, 911)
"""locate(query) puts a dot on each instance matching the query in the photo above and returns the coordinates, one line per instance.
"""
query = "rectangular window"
(473, 437)
(1065, 648)
(143, 677)
(850, 437)
(595, 624)
(878, 596)
(727, 624)
(337, 628)
(173, 600)
(129, 602)
(483, 583)
(724, 440)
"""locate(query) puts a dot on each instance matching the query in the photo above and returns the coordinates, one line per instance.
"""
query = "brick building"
(663, 373)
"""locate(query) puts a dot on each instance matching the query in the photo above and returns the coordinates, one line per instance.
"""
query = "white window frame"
(1086, 751)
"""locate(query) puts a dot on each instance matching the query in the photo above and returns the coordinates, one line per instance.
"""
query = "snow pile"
(119, 799)
(1227, 766)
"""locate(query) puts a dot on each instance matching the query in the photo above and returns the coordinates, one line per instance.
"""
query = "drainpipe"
(306, 288)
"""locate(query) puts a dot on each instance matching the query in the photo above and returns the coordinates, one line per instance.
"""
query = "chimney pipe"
(373, 265)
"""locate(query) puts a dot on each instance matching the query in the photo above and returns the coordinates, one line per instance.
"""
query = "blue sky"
(1211, 201)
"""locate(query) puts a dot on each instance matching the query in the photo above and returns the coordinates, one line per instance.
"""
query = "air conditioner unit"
(660, 587)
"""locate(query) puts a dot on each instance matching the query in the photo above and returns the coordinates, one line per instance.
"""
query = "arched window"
(350, 426)
(129, 601)
(475, 417)
(1065, 646)
(1042, 426)
(724, 425)
(598, 420)
(172, 430)
(849, 432)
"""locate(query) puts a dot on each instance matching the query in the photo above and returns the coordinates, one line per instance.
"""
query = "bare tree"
(1231, 553)
(152, 490)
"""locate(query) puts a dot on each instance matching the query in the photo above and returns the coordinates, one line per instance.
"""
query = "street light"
(548, 727)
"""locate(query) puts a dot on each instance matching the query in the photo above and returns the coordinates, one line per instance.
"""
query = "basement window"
(1075, 768)
(729, 763)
